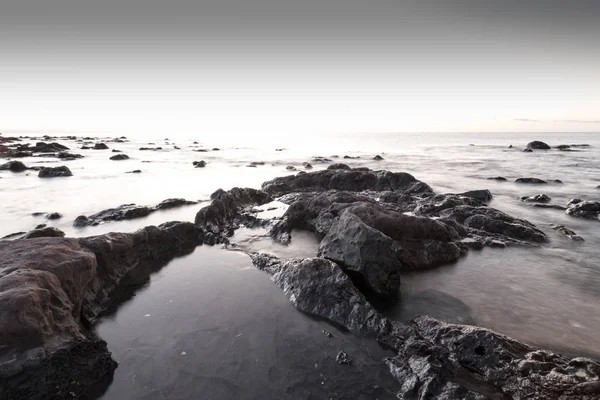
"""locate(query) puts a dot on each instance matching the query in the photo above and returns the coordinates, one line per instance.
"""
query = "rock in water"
(51, 288)
(199, 164)
(538, 198)
(497, 178)
(584, 209)
(47, 231)
(53, 215)
(378, 158)
(537, 145)
(481, 195)
(338, 166)
(531, 180)
(100, 146)
(364, 252)
(119, 157)
(14, 166)
(563, 230)
(53, 172)
(343, 358)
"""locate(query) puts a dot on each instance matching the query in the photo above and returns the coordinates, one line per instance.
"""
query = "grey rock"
(538, 198)
(378, 158)
(14, 166)
(537, 145)
(47, 231)
(199, 164)
(338, 166)
(497, 178)
(527, 151)
(563, 230)
(53, 172)
(119, 157)
(100, 146)
(53, 215)
(531, 180)
(343, 358)
(364, 252)
(135, 171)
(584, 209)
(483, 195)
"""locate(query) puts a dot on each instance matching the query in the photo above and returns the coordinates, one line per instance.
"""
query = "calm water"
(198, 305)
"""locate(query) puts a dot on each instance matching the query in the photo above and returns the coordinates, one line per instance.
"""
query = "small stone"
(343, 358)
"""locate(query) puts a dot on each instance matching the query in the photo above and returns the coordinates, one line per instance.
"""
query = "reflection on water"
(211, 326)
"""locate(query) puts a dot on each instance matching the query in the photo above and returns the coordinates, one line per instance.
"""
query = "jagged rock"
(349, 180)
(320, 287)
(53, 215)
(497, 178)
(119, 157)
(339, 166)
(364, 252)
(481, 195)
(584, 209)
(538, 198)
(563, 230)
(100, 146)
(51, 288)
(224, 213)
(14, 166)
(199, 164)
(537, 145)
(531, 180)
(53, 172)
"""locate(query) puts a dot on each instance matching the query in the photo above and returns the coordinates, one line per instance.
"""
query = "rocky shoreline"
(373, 226)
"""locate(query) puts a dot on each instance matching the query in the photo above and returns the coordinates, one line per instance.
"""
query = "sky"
(302, 66)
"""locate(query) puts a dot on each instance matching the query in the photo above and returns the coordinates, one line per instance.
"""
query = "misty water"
(209, 325)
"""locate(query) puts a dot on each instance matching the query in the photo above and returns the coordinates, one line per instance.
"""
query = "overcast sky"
(304, 65)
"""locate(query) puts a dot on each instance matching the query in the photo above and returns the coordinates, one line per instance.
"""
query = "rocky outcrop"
(54, 172)
(119, 157)
(537, 145)
(14, 166)
(355, 180)
(51, 288)
(225, 213)
(584, 209)
(127, 212)
(339, 166)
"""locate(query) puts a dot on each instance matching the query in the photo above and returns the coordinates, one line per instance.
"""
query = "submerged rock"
(53, 172)
(497, 178)
(481, 195)
(135, 171)
(563, 230)
(537, 145)
(527, 151)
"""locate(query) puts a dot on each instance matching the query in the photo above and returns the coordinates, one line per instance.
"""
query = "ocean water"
(199, 304)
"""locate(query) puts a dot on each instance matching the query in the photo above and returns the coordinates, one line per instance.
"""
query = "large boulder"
(537, 145)
(14, 166)
(53, 172)
(364, 252)
(354, 180)
(52, 288)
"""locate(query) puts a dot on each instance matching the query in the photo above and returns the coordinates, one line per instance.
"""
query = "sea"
(211, 326)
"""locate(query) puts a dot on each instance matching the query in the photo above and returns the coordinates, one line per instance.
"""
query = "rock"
(563, 147)
(116, 151)
(48, 231)
(510, 146)
(557, 181)
(290, 168)
(119, 157)
(351, 158)
(64, 155)
(343, 358)
(437, 360)
(42, 147)
(307, 165)
(100, 146)
(481, 195)
(378, 158)
(568, 233)
(527, 151)
(497, 178)
(320, 287)
(14, 166)
(363, 252)
(135, 171)
(538, 198)
(52, 288)
(150, 148)
(348, 180)
(554, 206)
(279, 149)
(531, 180)
(199, 164)
(254, 164)
(53, 172)
(199, 150)
(85, 148)
(53, 215)
(321, 160)
(339, 166)
(537, 145)
(127, 212)
(173, 203)
(224, 213)
(584, 209)
(216, 149)
(40, 226)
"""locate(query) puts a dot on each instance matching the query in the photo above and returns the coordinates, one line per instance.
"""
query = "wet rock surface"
(481, 195)
(14, 166)
(534, 181)
(538, 198)
(127, 212)
(584, 209)
(51, 288)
